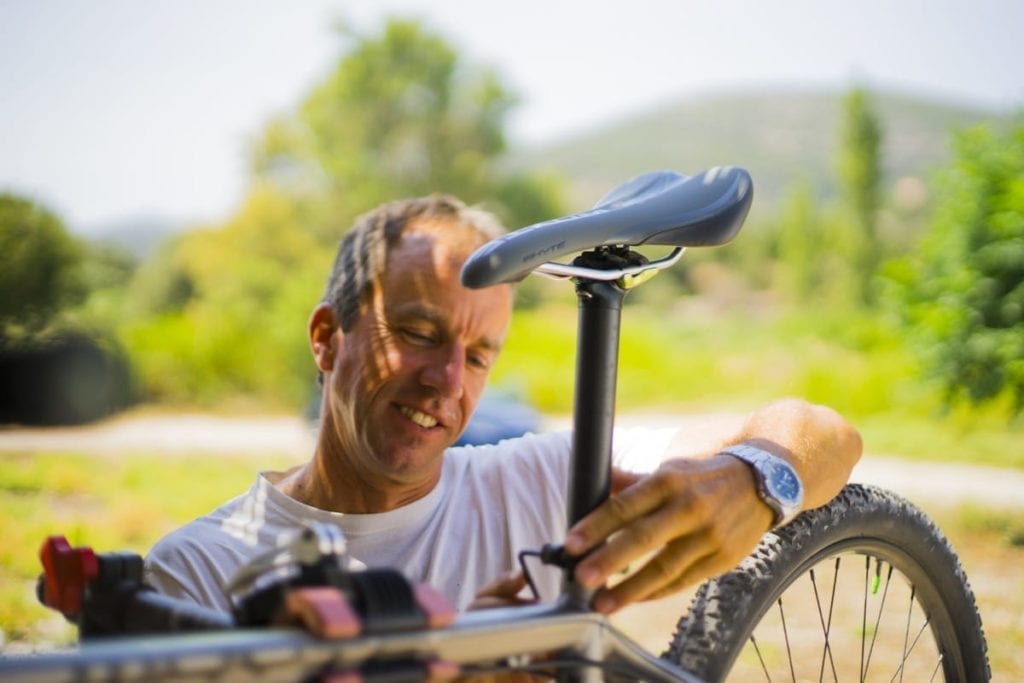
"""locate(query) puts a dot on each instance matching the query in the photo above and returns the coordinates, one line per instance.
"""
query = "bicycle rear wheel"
(865, 588)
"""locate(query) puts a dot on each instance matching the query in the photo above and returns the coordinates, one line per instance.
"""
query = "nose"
(445, 371)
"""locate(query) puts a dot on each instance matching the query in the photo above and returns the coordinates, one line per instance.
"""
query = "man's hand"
(700, 515)
(502, 592)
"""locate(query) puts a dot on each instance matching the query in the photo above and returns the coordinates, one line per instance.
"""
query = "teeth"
(422, 419)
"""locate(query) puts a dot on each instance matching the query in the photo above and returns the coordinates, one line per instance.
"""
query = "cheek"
(369, 371)
(474, 388)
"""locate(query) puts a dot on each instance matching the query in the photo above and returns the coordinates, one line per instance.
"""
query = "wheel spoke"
(864, 615)
(826, 624)
(906, 638)
(764, 667)
(938, 665)
(913, 644)
(785, 633)
(881, 607)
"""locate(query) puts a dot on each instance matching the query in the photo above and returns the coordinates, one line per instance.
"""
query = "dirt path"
(928, 484)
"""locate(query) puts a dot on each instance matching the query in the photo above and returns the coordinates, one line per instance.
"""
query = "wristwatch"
(778, 484)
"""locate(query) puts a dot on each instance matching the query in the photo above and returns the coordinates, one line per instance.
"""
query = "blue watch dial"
(783, 484)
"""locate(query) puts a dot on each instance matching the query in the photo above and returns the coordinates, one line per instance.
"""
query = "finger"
(703, 569)
(667, 568)
(504, 586)
(621, 479)
(640, 538)
(635, 501)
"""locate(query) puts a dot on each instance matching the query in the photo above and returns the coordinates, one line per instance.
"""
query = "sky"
(119, 110)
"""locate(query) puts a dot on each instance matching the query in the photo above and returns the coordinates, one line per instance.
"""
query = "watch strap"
(760, 460)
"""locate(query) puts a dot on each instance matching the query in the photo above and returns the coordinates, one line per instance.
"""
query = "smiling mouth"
(422, 419)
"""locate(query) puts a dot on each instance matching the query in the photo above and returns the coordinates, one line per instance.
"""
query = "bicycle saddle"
(662, 208)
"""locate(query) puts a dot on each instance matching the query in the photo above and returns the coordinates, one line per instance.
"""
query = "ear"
(323, 326)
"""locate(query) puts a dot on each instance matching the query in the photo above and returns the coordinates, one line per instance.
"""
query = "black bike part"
(134, 609)
(888, 532)
(262, 605)
(398, 671)
(118, 603)
(383, 598)
(385, 601)
(549, 554)
(662, 208)
(597, 357)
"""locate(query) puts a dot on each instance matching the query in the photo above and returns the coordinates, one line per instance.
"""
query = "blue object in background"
(498, 416)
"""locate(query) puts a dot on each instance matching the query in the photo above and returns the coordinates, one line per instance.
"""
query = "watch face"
(784, 484)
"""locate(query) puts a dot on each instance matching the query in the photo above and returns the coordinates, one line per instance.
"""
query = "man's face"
(410, 372)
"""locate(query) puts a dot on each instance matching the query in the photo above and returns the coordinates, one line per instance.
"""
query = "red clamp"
(66, 572)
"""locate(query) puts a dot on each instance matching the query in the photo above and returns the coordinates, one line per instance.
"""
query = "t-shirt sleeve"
(181, 566)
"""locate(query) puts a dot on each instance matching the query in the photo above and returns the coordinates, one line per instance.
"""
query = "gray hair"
(363, 251)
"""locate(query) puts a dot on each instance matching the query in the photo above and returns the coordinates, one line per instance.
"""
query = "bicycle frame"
(275, 655)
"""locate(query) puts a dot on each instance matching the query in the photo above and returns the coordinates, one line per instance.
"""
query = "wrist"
(746, 494)
(776, 481)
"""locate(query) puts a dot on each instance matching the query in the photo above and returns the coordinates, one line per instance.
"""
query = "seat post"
(597, 355)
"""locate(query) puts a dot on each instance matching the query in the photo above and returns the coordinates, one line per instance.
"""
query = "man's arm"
(700, 513)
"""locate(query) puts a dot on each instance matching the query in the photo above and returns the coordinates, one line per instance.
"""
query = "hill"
(781, 137)
(138, 236)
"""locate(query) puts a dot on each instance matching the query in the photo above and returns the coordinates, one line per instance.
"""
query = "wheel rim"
(859, 610)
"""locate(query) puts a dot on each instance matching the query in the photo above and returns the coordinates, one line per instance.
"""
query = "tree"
(860, 175)
(800, 249)
(40, 266)
(58, 365)
(964, 295)
(400, 116)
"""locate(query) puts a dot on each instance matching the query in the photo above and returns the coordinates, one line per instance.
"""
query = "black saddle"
(661, 208)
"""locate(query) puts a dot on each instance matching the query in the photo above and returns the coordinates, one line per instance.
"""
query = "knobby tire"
(866, 541)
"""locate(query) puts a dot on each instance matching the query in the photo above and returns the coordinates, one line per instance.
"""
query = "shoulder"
(192, 561)
(181, 563)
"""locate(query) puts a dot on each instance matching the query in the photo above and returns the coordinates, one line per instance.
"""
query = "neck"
(333, 481)
(311, 484)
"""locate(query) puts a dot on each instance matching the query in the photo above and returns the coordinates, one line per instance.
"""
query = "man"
(404, 352)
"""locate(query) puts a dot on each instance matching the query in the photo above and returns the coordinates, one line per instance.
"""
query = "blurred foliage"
(735, 354)
(962, 294)
(400, 116)
(59, 298)
(40, 266)
(860, 178)
(222, 311)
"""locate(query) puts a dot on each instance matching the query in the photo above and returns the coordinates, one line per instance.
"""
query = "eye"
(479, 361)
(418, 337)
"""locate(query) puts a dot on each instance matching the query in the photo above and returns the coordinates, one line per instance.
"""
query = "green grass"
(108, 503)
(693, 362)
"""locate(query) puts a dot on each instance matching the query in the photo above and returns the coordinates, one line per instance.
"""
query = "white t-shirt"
(490, 503)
